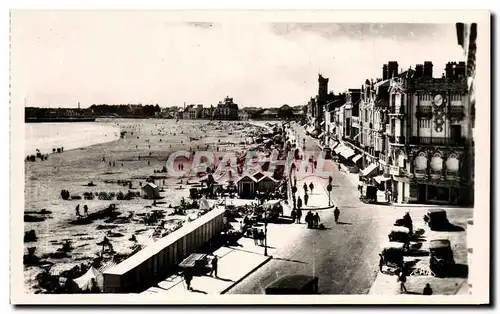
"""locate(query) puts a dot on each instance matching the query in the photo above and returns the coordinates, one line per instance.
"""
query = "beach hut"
(91, 281)
(227, 177)
(151, 191)
(267, 184)
(246, 186)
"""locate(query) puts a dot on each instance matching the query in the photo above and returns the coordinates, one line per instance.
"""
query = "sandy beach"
(143, 148)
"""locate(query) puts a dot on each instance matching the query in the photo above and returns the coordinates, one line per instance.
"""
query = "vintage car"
(294, 284)
(369, 194)
(393, 254)
(441, 256)
(436, 219)
(400, 234)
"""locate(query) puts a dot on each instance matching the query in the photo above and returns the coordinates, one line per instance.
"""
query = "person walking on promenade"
(402, 281)
(305, 187)
(309, 220)
(381, 262)
(214, 262)
(255, 234)
(85, 210)
(336, 213)
(262, 237)
(299, 214)
(187, 278)
(306, 198)
(316, 220)
(311, 187)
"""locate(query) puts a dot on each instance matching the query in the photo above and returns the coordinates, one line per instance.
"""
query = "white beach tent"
(87, 281)
(204, 205)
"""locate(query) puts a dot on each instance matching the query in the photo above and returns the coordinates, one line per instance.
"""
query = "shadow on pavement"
(458, 271)
(198, 291)
(417, 252)
(412, 292)
(224, 279)
(450, 227)
(343, 223)
(288, 260)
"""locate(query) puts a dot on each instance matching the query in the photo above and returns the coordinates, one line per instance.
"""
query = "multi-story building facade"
(226, 110)
(428, 116)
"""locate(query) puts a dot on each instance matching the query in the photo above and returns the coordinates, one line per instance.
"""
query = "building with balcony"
(466, 37)
(226, 110)
(428, 119)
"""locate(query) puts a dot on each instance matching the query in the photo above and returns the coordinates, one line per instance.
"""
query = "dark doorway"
(246, 190)
(456, 134)
(422, 193)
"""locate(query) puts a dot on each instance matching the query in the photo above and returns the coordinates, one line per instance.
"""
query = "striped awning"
(356, 158)
(339, 149)
(347, 152)
(369, 170)
(380, 179)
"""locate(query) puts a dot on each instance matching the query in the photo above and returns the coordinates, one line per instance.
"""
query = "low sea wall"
(156, 261)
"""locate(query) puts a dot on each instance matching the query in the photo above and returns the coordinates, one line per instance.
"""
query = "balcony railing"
(457, 112)
(452, 175)
(437, 141)
(397, 110)
(424, 112)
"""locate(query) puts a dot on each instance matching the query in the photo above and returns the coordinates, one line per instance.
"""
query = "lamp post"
(329, 189)
(265, 236)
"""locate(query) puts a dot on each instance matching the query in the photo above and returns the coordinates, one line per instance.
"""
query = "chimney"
(428, 69)
(419, 70)
(449, 70)
(385, 72)
(460, 69)
(392, 69)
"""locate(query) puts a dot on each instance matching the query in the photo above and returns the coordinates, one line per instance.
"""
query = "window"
(424, 123)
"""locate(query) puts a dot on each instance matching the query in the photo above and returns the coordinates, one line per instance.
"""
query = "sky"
(61, 58)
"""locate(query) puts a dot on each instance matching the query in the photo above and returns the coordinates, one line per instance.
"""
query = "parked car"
(400, 234)
(393, 254)
(436, 219)
(441, 256)
(294, 284)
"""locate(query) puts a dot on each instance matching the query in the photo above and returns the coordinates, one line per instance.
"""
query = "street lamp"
(265, 235)
(329, 189)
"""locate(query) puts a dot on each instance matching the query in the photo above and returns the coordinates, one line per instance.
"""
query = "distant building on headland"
(226, 110)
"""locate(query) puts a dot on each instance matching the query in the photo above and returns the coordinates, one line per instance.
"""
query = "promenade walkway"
(235, 263)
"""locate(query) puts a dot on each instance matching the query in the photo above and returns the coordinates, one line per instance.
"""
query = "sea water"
(47, 136)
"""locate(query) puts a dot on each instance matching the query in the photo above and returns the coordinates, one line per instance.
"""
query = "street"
(344, 256)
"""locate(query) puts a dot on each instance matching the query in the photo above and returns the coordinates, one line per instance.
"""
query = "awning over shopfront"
(339, 149)
(380, 179)
(369, 170)
(310, 129)
(347, 152)
(321, 135)
(356, 158)
(314, 133)
(322, 123)
(334, 145)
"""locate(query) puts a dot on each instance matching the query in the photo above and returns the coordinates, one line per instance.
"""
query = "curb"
(245, 276)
